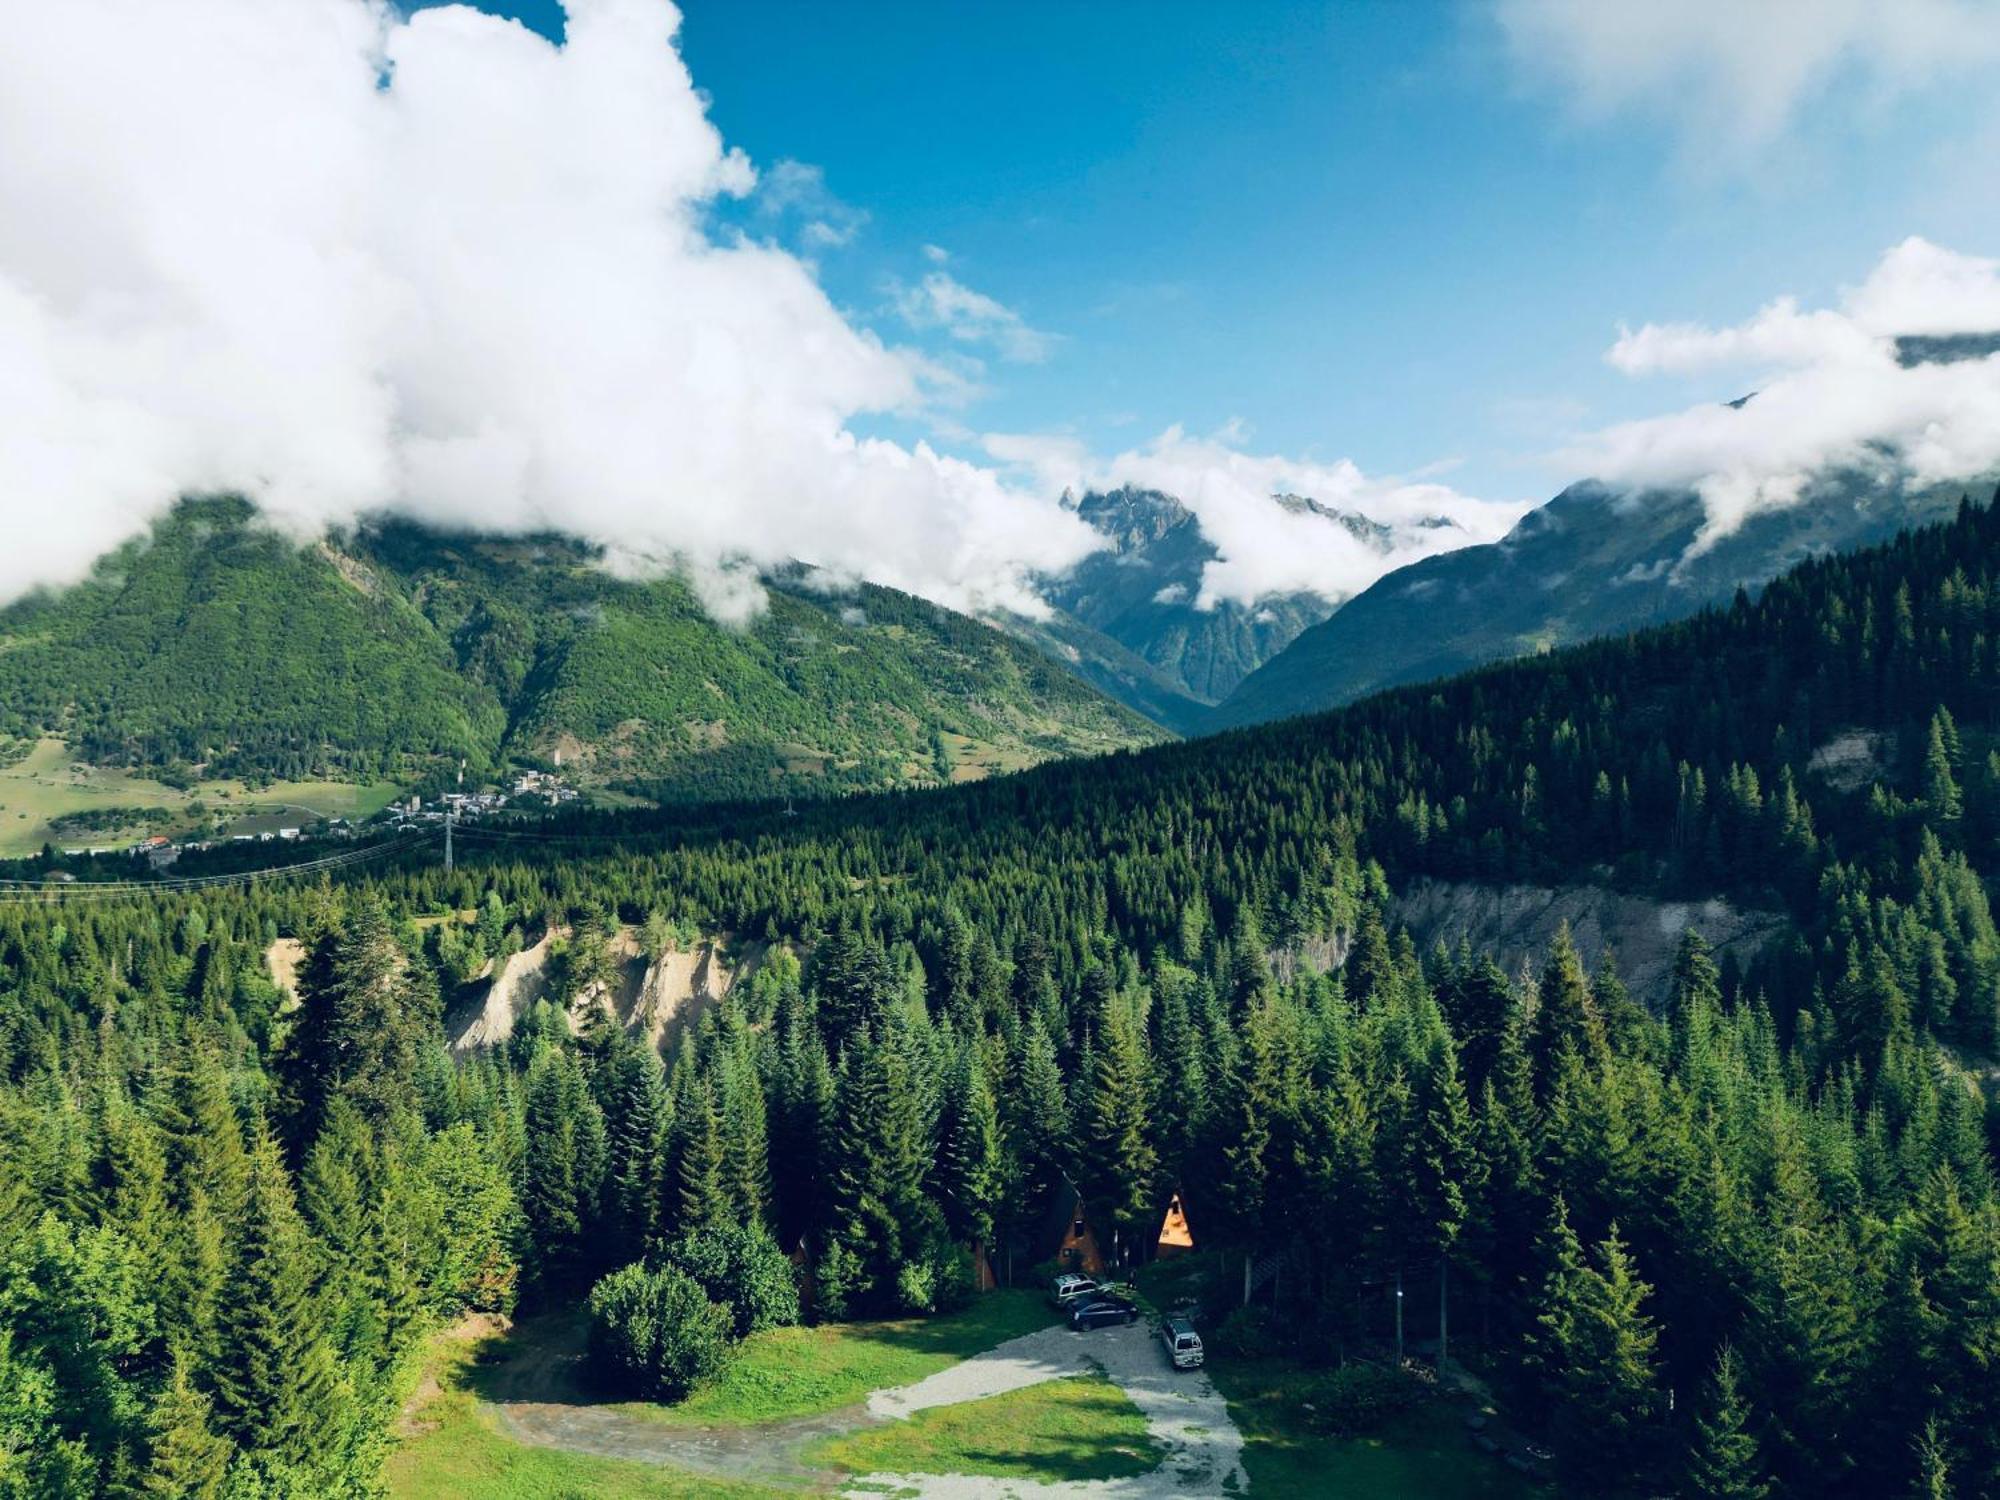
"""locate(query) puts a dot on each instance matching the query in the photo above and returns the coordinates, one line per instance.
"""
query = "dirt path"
(1183, 1414)
(771, 1451)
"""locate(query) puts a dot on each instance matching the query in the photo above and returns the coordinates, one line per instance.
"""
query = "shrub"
(1360, 1398)
(916, 1286)
(954, 1281)
(836, 1281)
(656, 1334)
(741, 1267)
(1251, 1333)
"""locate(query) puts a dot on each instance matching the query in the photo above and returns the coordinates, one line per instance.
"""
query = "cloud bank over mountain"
(342, 259)
(1833, 389)
(1267, 548)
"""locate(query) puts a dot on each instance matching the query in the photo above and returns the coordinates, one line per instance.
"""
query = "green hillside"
(217, 648)
(1755, 1233)
(1588, 563)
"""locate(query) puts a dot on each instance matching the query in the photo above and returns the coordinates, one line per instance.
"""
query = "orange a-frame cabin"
(1175, 1236)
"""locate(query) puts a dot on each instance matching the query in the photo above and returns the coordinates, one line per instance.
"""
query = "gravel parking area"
(1183, 1411)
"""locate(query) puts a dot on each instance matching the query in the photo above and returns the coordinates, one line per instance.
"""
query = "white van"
(1183, 1344)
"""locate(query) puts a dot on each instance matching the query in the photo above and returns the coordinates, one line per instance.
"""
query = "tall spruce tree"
(276, 1384)
(1723, 1462)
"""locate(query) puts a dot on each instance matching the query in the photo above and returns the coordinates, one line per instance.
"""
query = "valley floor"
(965, 1407)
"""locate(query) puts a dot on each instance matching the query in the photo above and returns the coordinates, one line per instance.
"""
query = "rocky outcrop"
(659, 998)
(1516, 923)
(281, 961)
(484, 1016)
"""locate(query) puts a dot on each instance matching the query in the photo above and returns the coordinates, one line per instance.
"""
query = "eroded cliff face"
(1516, 923)
(659, 999)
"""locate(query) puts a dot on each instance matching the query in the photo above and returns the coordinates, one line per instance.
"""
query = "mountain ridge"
(216, 645)
(1591, 562)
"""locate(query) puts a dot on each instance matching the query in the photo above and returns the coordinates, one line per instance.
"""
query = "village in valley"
(525, 791)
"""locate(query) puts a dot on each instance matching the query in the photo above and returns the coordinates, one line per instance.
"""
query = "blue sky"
(1369, 231)
(870, 284)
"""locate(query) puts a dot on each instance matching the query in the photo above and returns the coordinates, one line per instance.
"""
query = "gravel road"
(1184, 1414)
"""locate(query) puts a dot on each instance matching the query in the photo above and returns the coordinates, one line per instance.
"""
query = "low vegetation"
(798, 1372)
(448, 1446)
(1059, 1431)
(49, 796)
(1284, 1410)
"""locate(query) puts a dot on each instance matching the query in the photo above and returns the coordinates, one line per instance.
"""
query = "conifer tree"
(701, 1195)
(1933, 1465)
(1597, 1347)
(1943, 800)
(360, 1029)
(1040, 1120)
(1722, 1460)
(1566, 1013)
(637, 1148)
(1121, 1163)
(968, 1168)
(275, 1382)
(563, 1162)
(189, 1459)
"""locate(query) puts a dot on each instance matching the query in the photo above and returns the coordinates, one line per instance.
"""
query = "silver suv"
(1068, 1289)
(1183, 1344)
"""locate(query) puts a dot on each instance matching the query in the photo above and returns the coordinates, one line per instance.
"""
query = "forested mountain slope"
(217, 644)
(1588, 563)
(1747, 1245)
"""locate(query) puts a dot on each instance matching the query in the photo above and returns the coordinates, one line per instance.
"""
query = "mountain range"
(1593, 561)
(1131, 617)
(217, 646)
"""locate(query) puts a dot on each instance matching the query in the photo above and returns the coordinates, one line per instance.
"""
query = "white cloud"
(1267, 548)
(1736, 75)
(941, 301)
(343, 260)
(798, 190)
(1831, 393)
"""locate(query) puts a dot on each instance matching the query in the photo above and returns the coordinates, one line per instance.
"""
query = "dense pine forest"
(1747, 1245)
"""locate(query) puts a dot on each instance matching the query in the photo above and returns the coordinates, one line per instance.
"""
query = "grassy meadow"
(44, 785)
(1062, 1430)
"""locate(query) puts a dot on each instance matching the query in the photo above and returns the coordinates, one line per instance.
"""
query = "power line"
(42, 893)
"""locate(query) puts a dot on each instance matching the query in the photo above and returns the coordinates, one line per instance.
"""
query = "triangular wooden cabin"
(1175, 1237)
(1066, 1236)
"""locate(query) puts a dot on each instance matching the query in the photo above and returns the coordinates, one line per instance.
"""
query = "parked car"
(1067, 1288)
(1101, 1312)
(1183, 1344)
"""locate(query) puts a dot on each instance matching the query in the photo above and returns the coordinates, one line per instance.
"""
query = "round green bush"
(741, 1267)
(655, 1334)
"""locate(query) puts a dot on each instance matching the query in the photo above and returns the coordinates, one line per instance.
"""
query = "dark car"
(1101, 1312)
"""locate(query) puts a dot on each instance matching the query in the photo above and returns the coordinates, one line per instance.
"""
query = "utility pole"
(451, 811)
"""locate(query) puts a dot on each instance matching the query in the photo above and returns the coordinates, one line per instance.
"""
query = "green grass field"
(1423, 1453)
(1077, 1429)
(795, 1372)
(448, 1447)
(46, 784)
(776, 1374)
